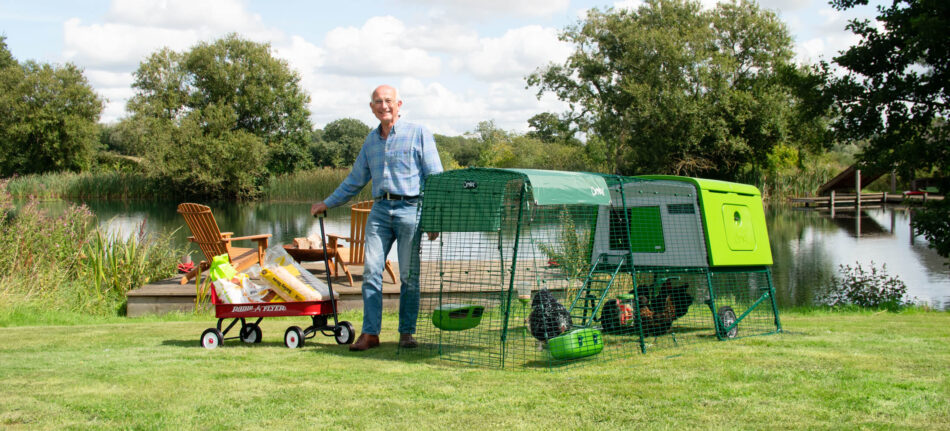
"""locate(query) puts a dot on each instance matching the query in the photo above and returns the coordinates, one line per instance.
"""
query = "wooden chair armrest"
(226, 234)
(261, 237)
(333, 240)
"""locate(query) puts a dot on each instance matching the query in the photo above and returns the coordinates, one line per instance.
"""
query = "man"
(397, 158)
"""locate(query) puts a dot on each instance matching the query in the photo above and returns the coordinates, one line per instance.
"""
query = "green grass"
(855, 370)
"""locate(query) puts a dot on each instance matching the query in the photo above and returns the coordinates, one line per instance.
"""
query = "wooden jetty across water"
(843, 192)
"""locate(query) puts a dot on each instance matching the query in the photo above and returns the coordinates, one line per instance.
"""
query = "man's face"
(384, 105)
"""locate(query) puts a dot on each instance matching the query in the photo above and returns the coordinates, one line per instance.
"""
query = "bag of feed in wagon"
(277, 256)
(221, 274)
(287, 286)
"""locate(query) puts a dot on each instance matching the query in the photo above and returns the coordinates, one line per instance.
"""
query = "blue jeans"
(391, 221)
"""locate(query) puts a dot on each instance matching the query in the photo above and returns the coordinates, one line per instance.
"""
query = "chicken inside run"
(538, 268)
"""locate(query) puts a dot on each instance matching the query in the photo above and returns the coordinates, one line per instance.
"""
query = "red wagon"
(320, 313)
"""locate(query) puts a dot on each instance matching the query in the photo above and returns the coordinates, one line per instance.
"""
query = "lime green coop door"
(737, 223)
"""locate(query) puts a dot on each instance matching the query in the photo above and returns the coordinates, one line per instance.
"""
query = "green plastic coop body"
(543, 269)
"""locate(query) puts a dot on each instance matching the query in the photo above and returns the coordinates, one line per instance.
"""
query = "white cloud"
(628, 4)
(119, 45)
(213, 15)
(493, 8)
(374, 49)
(441, 36)
(517, 53)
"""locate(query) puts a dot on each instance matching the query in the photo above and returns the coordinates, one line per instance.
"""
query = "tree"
(6, 57)
(49, 116)
(549, 128)
(232, 79)
(346, 136)
(895, 95)
(669, 88)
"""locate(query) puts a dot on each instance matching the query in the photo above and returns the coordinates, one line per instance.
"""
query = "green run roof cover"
(559, 187)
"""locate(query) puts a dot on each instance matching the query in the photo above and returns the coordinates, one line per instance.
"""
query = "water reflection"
(807, 246)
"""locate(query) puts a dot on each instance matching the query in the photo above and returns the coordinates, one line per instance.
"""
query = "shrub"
(872, 288)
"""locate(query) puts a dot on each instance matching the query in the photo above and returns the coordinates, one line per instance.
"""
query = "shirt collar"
(379, 128)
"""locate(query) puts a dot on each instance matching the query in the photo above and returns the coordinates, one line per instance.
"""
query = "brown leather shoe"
(365, 342)
(406, 341)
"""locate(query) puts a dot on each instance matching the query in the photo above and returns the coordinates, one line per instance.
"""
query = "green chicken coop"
(536, 268)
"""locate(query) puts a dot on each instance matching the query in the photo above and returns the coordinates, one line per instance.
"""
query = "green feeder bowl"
(457, 317)
(576, 344)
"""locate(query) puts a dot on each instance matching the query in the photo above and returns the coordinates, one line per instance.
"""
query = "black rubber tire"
(726, 318)
(251, 333)
(293, 337)
(344, 333)
(211, 338)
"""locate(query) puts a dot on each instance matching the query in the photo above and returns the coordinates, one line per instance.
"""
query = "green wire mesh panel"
(511, 283)
(744, 301)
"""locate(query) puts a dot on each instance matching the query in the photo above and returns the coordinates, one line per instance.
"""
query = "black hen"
(658, 312)
(548, 318)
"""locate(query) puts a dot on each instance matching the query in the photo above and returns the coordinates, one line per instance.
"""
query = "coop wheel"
(726, 318)
(211, 338)
(251, 333)
(343, 332)
(293, 337)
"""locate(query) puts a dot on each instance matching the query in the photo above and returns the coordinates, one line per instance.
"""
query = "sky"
(456, 63)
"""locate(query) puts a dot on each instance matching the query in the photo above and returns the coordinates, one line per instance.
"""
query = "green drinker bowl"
(457, 317)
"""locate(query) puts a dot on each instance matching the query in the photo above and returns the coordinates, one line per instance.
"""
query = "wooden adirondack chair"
(213, 242)
(355, 254)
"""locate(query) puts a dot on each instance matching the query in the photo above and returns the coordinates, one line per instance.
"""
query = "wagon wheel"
(251, 333)
(293, 337)
(211, 338)
(726, 318)
(343, 332)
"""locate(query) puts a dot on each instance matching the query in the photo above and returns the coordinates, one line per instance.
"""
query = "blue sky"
(455, 62)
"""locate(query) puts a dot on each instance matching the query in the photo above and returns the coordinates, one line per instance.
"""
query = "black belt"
(392, 197)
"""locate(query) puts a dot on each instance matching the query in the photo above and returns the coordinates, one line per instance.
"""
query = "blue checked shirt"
(397, 165)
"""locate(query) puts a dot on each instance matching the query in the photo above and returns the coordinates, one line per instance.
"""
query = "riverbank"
(304, 186)
(853, 370)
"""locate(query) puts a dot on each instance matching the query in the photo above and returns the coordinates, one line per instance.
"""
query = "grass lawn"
(855, 370)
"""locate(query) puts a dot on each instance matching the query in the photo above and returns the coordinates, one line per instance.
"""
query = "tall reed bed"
(66, 262)
(792, 182)
(86, 185)
(308, 186)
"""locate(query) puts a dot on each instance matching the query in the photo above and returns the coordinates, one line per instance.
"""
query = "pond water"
(807, 246)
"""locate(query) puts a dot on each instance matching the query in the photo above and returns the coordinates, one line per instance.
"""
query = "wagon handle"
(326, 261)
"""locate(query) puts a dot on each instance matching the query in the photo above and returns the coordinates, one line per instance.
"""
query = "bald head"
(385, 87)
(385, 104)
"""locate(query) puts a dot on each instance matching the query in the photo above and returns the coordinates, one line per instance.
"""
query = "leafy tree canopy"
(895, 93)
(670, 88)
(49, 117)
(235, 75)
(231, 80)
(895, 96)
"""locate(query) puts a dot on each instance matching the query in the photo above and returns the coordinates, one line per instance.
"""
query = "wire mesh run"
(514, 283)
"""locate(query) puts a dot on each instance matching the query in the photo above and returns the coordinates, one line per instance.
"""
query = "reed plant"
(109, 185)
(306, 186)
(65, 262)
(113, 265)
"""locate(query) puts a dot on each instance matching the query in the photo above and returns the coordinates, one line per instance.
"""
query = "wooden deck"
(867, 200)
